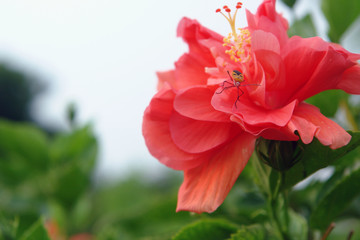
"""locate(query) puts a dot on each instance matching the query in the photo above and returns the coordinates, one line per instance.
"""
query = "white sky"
(103, 55)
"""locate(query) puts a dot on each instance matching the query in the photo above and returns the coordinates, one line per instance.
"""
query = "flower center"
(238, 41)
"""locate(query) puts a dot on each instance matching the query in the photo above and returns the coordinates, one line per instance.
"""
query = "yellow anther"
(239, 42)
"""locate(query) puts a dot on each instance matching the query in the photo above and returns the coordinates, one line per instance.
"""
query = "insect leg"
(223, 86)
(230, 76)
(251, 84)
(239, 95)
(224, 89)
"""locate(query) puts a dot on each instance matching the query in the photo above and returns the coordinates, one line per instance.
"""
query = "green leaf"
(255, 232)
(289, 3)
(333, 203)
(73, 157)
(321, 100)
(340, 15)
(23, 152)
(298, 228)
(36, 232)
(77, 146)
(262, 173)
(316, 156)
(303, 27)
(8, 227)
(208, 229)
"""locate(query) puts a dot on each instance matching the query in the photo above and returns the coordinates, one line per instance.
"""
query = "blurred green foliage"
(36, 171)
(340, 16)
(207, 229)
(303, 27)
(289, 3)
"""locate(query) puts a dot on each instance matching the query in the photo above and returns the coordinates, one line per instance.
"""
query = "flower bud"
(281, 155)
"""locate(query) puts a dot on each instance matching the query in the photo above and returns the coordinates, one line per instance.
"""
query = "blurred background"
(101, 56)
(82, 72)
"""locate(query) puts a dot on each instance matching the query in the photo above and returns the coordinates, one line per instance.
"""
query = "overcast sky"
(103, 55)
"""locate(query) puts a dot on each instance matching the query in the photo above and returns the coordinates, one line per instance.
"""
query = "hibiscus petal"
(350, 80)
(352, 56)
(253, 114)
(272, 68)
(195, 136)
(300, 52)
(327, 74)
(313, 123)
(266, 130)
(267, 19)
(196, 103)
(194, 35)
(279, 134)
(164, 78)
(261, 40)
(157, 136)
(305, 128)
(206, 186)
(189, 72)
(250, 112)
(321, 67)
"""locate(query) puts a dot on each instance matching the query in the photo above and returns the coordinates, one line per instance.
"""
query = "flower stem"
(278, 208)
(328, 231)
(274, 218)
(270, 181)
(351, 233)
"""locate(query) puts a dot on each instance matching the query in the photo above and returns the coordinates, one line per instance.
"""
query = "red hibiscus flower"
(226, 92)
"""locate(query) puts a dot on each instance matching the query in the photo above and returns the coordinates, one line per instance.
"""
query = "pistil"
(238, 42)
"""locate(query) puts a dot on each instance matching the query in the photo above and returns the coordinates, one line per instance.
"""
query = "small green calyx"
(280, 155)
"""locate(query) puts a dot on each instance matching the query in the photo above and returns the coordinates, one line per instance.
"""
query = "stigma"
(238, 41)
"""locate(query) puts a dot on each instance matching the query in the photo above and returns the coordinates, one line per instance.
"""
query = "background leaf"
(321, 100)
(255, 232)
(340, 15)
(73, 156)
(207, 230)
(36, 232)
(342, 194)
(303, 27)
(315, 157)
(298, 227)
(289, 3)
(23, 152)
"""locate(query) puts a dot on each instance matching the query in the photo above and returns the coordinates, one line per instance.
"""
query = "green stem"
(274, 218)
(286, 207)
(271, 180)
(261, 174)
(274, 211)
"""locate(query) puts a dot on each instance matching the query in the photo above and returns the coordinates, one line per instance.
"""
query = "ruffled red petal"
(250, 112)
(194, 34)
(206, 186)
(350, 80)
(189, 72)
(267, 19)
(195, 136)
(309, 122)
(195, 103)
(312, 66)
(157, 135)
(166, 78)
